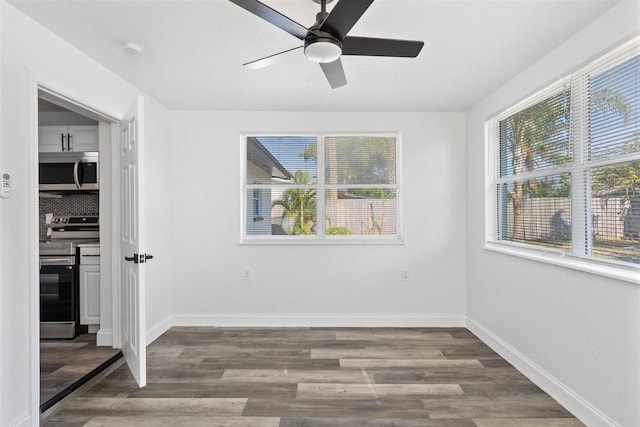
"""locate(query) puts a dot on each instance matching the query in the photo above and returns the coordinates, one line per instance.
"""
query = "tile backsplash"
(69, 204)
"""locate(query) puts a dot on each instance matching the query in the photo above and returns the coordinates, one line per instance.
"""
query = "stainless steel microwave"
(69, 172)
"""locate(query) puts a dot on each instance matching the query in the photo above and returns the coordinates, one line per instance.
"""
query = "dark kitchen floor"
(317, 377)
(64, 362)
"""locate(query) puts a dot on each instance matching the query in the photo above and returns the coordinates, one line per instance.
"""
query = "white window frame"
(579, 168)
(320, 187)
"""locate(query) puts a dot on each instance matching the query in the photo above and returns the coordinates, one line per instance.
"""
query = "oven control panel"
(74, 227)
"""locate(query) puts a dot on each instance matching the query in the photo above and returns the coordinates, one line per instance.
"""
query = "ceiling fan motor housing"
(322, 48)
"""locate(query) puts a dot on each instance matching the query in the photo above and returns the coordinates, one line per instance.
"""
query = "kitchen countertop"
(94, 244)
(66, 246)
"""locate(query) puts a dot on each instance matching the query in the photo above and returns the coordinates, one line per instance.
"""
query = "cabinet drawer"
(89, 256)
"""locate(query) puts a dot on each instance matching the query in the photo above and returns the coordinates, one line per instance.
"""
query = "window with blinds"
(534, 145)
(612, 167)
(567, 168)
(321, 187)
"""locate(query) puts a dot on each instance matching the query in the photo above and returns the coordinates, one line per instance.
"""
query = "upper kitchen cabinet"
(59, 139)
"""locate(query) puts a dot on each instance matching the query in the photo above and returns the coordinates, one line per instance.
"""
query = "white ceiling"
(193, 50)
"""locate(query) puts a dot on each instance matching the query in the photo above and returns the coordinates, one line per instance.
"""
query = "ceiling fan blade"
(271, 59)
(367, 46)
(274, 17)
(344, 16)
(334, 73)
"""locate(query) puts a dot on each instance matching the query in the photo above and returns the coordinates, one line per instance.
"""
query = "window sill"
(315, 241)
(626, 273)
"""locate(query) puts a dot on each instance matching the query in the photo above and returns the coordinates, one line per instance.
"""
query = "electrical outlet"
(404, 276)
(246, 275)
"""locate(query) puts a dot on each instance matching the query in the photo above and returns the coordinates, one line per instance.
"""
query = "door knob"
(133, 258)
(139, 259)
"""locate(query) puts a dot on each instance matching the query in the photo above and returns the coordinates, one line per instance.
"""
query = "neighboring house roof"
(262, 158)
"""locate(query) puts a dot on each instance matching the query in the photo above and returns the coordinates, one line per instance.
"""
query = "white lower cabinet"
(89, 286)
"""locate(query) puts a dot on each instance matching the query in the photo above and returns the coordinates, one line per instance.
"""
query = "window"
(564, 165)
(350, 181)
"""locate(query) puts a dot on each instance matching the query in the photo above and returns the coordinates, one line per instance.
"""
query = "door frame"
(73, 100)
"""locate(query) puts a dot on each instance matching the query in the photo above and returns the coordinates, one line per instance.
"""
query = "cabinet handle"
(69, 142)
(62, 135)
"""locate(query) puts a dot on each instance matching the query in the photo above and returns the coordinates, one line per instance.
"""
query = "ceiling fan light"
(323, 50)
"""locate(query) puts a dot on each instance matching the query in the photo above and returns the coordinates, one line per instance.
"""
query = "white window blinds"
(329, 187)
(567, 173)
(534, 182)
(361, 186)
(612, 164)
(280, 186)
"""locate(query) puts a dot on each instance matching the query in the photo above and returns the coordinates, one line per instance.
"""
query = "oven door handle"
(76, 166)
(57, 261)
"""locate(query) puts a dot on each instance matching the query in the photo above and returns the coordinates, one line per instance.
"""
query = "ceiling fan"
(327, 40)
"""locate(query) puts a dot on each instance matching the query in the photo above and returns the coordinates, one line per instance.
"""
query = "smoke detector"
(132, 48)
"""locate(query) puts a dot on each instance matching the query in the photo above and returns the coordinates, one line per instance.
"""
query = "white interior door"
(132, 270)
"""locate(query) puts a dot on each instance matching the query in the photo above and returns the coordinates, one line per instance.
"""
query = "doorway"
(76, 340)
(121, 200)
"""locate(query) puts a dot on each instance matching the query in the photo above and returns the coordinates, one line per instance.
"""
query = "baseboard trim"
(579, 407)
(276, 320)
(104, 337)
(158, 329)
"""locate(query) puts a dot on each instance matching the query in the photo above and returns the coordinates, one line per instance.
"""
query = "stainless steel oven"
(59, 285)
(58, 296)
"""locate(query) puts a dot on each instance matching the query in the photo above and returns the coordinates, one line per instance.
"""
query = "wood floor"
(318, 377)
(63, 362)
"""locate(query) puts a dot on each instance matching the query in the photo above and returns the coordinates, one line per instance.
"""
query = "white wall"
(564, 328)
(28, 46)
(312, 284)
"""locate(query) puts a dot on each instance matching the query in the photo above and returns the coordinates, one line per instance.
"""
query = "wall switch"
(246, 275)
(5, 187)
(404, 276)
